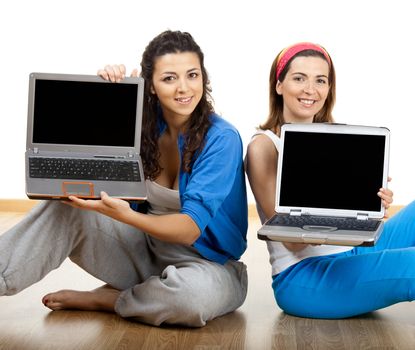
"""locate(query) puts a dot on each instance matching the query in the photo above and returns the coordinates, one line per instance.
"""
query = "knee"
(197, 301)
(181, 297)
(189, 311)
(190, 302)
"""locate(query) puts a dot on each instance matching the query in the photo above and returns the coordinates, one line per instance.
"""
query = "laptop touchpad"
(77, 188)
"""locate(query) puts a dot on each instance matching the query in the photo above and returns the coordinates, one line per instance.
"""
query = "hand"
(115, 72)
(296, 247)
(117, 209)
(387, 198)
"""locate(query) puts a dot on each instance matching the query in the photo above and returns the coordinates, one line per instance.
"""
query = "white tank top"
(162, 200)
(281, 257)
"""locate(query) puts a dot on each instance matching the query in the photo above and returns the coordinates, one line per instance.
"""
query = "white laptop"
(83, 137)
(327, 183)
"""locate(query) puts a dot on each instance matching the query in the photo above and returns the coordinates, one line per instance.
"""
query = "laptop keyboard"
(84, 169)
(350, 224)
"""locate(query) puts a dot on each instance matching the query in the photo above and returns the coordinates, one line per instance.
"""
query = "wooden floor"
(259, 324)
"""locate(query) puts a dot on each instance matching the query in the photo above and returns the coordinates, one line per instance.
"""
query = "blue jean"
(361, 280)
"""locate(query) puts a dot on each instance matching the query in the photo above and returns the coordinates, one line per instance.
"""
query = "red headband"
(289, 52)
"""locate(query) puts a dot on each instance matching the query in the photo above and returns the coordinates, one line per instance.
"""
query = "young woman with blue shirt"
(177, 263)
(322, 281)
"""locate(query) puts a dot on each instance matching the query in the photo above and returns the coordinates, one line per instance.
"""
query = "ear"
(152, 90)
(278, 88)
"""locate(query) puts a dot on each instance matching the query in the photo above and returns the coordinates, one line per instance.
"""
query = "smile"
(184, 100)
(307, 102)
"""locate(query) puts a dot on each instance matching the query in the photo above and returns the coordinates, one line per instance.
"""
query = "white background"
(371, 43)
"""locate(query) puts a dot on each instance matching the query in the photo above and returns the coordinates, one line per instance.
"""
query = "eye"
(321, 81)
(169, 78)
(193, 75)
(298, 78)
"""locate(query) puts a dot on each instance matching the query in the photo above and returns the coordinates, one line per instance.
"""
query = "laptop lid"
(332, 169)
(85, 113)
(329, 171)
(84, 116)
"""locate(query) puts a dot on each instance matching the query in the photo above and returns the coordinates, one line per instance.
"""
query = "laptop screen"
(331, 170)
(84, 113)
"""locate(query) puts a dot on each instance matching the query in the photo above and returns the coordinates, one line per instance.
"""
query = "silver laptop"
(327, 183)
(83, 137)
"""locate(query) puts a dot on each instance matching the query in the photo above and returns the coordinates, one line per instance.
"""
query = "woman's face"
(178, 84)
(304, 89)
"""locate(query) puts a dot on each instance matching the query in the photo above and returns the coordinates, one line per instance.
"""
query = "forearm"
(173, 228)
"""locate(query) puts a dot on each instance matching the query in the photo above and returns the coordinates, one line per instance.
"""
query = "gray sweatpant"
(160, 282)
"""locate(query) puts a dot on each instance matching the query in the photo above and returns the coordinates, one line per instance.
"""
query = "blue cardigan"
(214, 193)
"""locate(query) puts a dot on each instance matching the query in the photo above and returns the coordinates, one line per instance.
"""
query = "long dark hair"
(199, 123)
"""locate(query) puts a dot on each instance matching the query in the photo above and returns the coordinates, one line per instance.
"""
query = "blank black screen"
(325, 170)
(84, 113)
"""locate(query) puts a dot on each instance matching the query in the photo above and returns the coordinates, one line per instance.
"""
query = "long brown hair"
(165, 43)
(276, 102)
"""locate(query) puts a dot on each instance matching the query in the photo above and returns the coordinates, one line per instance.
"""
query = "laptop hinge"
(295, 212)
(361, 216)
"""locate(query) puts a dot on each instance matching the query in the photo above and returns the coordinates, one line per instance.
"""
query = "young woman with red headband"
(322, 281)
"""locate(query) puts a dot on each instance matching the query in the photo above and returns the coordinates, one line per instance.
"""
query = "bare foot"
(100, 299)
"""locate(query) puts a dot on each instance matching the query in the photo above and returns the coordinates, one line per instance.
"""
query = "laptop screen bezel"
(122, 151)
(332, 128)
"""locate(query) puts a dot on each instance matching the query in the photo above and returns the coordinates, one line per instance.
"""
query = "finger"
(105, 197)
(134, 73)
(122, 71)
(76, 200)
(387, 195)
(110, 73)
(107, 200)
(117, 73)
(387, 200)
(386, 192)
(386, 204)
(72, 204)
(103, 74)
(84, 204)
(389, 179)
